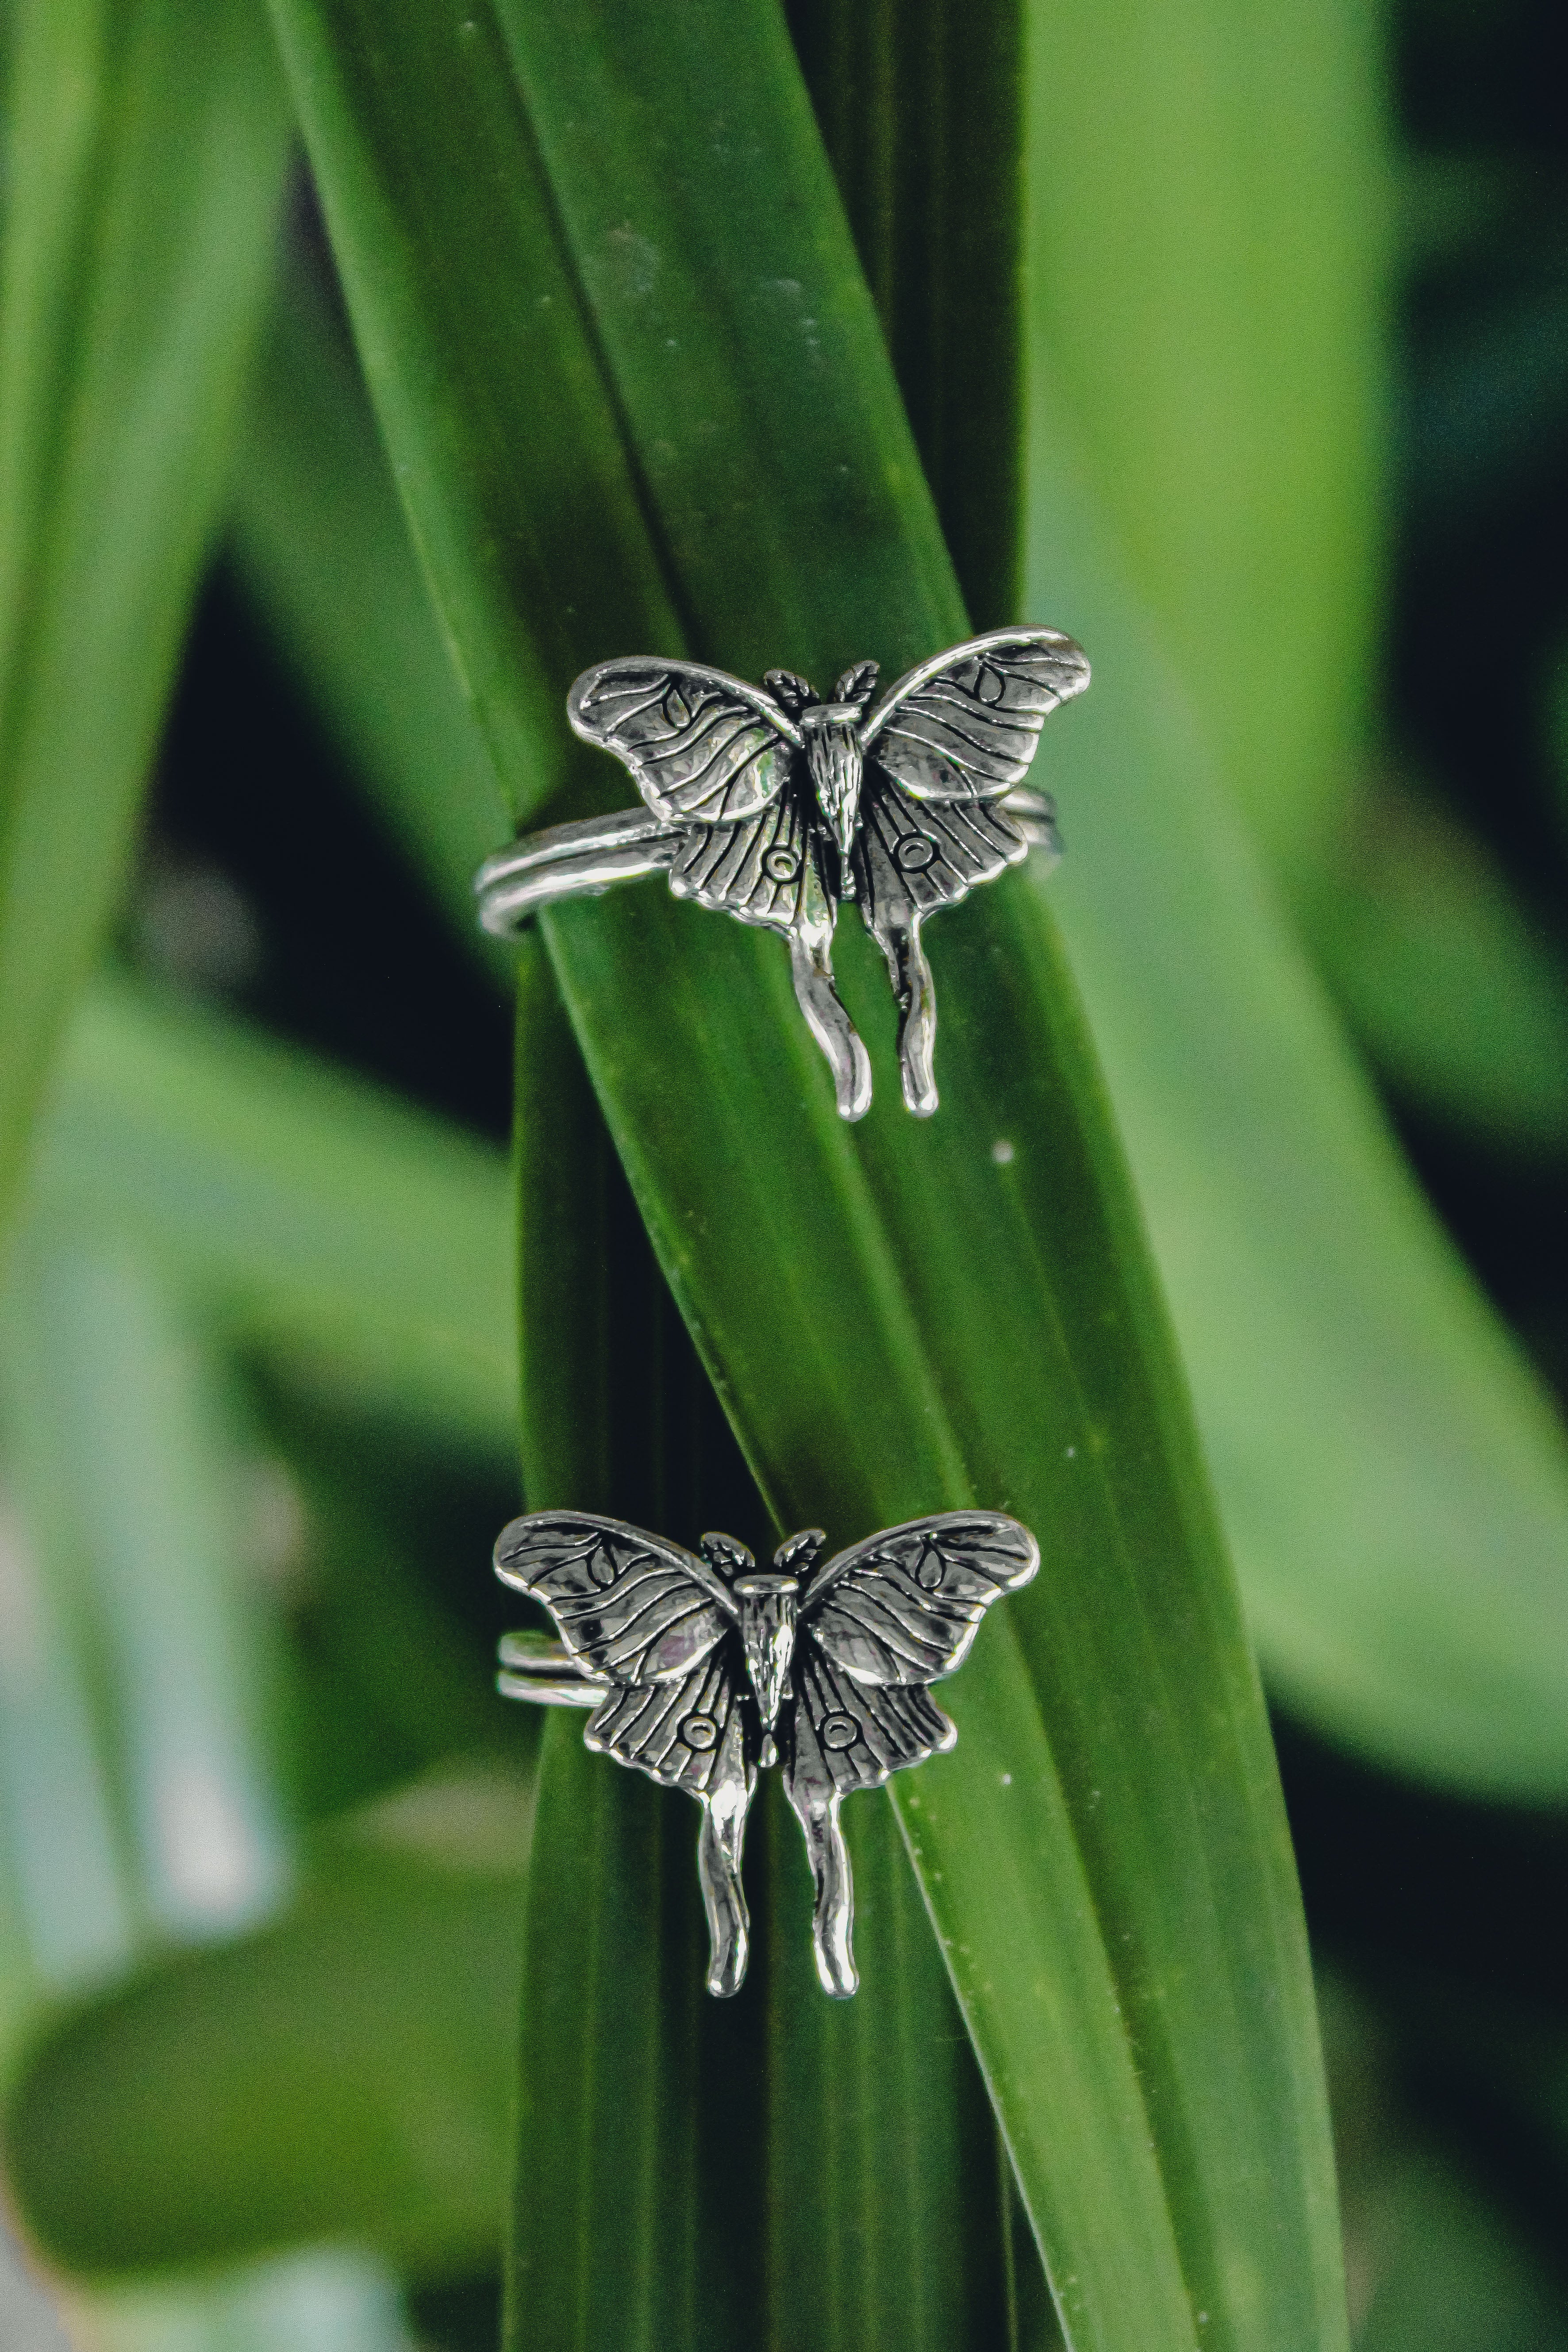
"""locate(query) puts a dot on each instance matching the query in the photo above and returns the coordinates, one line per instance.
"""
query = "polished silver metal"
(769, 805)
(702, 1670)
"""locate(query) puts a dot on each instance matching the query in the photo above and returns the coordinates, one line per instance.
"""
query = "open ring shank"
(536, 1668)
(569, 861)
(586, 859)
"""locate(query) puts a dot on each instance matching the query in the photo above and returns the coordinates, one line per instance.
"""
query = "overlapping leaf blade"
(957, 1232)
(845, 2208)
(321, 547)
(1403, 1550)
(1394, 1484)
(1207, 238)
(742, 353)
(1206, 1100)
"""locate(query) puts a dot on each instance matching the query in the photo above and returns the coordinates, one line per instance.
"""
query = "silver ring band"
(534, 1667)
(586, 859)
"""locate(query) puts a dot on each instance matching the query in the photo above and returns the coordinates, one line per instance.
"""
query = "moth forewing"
(700, 745)
(979, 1552)
(627, 1604)
(1044, 667)
(604, 697)
(903, 1607)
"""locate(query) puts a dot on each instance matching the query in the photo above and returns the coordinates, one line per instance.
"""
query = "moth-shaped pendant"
(702, 1669)
(779, 805)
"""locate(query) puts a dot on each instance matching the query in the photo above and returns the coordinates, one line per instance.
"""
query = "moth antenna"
(724, 1553)
(791, 691)
(800, 1555)
(855, 684)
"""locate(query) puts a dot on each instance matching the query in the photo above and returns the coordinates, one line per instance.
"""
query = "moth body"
(769, 1607)
(834, 757)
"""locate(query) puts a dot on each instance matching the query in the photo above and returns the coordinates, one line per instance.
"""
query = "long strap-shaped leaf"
(950, 100)
(384, 1993)
(1040, 1268)
(901, 1319)
(1226, 391)
(321, 545)
(141, 182)
(1385, 1601)
(315, 1217)
(779, 2170)
(921, 105)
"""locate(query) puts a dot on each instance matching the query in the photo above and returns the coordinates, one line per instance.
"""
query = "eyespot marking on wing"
(843, 1735)
(920, 855)
(696, 1734)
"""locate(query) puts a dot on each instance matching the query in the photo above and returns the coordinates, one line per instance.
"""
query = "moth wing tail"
(839, 1737)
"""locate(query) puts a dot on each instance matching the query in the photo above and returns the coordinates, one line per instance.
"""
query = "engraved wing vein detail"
(929, 854)
(693, 1733)
(964, 726)
(629, 1606)
(846, 1737)
(766, 869)
(902, 1608)
(702, 747)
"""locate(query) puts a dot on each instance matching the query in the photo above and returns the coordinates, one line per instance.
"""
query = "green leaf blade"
(322, 551)
(313, 1217)
(340, 2073)
(422, 260)
(1207, 260)
(1395, 1480)
(138, 243)
(784, 2165)
(795, 1248)
(772, 440)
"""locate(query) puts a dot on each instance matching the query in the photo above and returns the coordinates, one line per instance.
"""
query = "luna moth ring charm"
(772, 805)
(702, 1670)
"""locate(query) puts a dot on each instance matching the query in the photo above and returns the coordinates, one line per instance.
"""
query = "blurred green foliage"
(1234, 343)
(142, 183)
